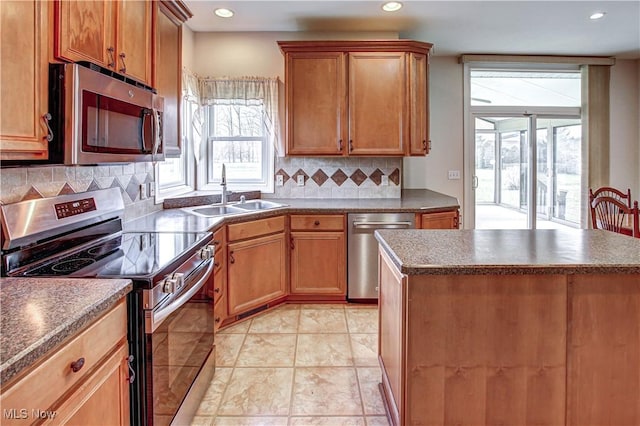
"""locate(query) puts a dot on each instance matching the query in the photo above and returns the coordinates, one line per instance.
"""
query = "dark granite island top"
(484, 251)
(40, 313)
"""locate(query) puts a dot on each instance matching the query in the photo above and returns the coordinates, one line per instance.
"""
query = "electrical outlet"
(279, 180)
(454, 174)
(152, 189)
(143, 191)
(300, 180)
(385, 180)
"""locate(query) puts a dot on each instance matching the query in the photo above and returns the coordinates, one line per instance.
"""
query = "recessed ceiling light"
(597, 15)
(392, 6)
(223, 13)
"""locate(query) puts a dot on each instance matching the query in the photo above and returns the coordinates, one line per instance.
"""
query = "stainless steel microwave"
(100, 117)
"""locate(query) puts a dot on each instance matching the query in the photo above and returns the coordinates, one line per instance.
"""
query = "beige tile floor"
(297, 365)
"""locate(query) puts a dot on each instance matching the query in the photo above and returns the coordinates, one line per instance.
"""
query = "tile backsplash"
(351, 177)
(23, 183)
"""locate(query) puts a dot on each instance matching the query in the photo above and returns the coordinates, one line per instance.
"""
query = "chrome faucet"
(223, 184)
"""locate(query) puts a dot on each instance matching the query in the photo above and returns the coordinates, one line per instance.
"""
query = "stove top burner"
(71, 265)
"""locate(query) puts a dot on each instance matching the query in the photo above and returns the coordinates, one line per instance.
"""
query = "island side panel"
(604, 350)
(391, 335)
(485, 349)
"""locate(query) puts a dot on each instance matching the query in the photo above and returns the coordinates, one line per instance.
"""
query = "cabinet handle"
(231, 258)
(424, 145)
(77, 365)
(132, 373)
(340, 145)
(217, 320)
(216, 264)
(47, 118)
(350, 145)
(112, 62)
(124, 66)
(316, 223)
(216, 290)
(215, 242)
(291, 243)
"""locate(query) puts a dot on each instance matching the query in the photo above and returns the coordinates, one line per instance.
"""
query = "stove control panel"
(73, 208)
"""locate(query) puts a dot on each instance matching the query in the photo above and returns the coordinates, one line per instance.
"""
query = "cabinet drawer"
(324, 222)
(50, 379)
(256, 228)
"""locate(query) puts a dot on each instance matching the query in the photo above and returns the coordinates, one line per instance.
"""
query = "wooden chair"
(614, 215)
(608, 191)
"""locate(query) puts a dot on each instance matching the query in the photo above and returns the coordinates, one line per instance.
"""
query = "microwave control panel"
(73, 208)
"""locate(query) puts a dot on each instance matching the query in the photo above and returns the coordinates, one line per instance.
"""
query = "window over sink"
(230, 121)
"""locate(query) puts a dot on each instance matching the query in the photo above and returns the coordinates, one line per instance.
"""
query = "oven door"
(180, 358)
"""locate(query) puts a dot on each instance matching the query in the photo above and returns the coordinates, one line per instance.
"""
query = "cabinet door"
(441, 220)
(377, 103)
(103, 399)
(318, 263)
(419, 111)
(316, 103)
(167, 80)
(24, 39)
(256, 272)
(133, 40)
(391, 347)
(84, 31)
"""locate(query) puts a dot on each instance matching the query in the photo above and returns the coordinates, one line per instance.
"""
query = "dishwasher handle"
(382, 225)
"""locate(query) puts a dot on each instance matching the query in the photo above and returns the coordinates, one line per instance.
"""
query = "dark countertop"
(503, 252)
(177, 219)
(40, 313)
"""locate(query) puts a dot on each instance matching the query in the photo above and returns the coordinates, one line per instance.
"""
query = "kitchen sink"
(214, 210)
(258, 205)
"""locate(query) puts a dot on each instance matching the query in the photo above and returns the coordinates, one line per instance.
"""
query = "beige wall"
(188, 47)
(446, 132)
(624, 151)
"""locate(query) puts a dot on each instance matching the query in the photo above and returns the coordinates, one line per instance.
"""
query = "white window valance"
(250, 90)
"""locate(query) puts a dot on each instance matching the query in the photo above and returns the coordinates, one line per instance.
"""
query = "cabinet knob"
(217, 320)
(216, 290)
(77, 365)
(316, 223)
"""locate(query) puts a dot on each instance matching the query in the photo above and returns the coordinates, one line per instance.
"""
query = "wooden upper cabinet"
(419, 104)
(316, 97)
(377, 117)
(167, 70)
(24, 39)
(113, 34)
(356, 97)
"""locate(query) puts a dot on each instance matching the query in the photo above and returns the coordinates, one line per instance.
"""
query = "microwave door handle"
(156, 137)
(145, 113)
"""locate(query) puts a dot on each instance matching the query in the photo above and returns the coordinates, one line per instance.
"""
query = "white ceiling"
(454, 27)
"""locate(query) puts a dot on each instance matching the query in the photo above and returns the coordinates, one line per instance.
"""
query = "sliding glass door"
(525, 179)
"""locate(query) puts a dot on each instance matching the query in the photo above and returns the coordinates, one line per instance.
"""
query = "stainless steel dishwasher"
(362, 276)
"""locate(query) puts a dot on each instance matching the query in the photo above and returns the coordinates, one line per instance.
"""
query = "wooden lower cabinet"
(318, 263)
(440, 220)
(541, 349)
(256, 272)
(95, 392)
(103, 398)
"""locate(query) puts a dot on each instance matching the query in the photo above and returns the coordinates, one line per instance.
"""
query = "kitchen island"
(510, 327)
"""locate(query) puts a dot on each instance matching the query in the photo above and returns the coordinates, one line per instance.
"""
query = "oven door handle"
(155, 318)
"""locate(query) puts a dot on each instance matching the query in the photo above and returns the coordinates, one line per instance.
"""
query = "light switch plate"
(279, 180)
(143, 191)
(454, 174)
(300, 180)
